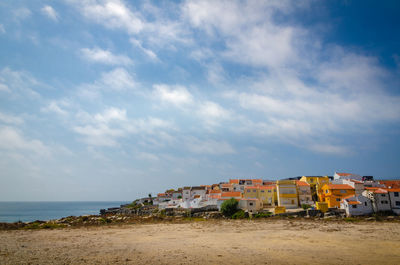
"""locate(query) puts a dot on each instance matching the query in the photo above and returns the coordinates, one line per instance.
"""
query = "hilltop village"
(351, 193)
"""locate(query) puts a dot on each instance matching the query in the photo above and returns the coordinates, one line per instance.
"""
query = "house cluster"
(355, 194)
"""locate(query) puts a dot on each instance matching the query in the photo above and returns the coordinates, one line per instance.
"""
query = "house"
(266, 194)
(394, 196)
(186, 193)
(226, 187)
(356, 184)
(356, 205)
(304, 193)
(347, 176)
(213, 194)
(379, 198)
(287, 194)
(162, 197)
(250, 205)
(316, 183)
(233, 194)
(240, 184)
(177, 194)
(334, 193)
(198, 192)
(391, 184)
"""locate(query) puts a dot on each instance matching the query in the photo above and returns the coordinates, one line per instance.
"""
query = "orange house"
(335, 193)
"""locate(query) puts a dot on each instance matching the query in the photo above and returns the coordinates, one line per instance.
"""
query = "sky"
(115, 99)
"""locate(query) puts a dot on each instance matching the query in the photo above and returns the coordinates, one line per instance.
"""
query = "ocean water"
(31, 211)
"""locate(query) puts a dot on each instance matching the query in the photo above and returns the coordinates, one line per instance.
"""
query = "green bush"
(239, 215)
(305, 206)
(262, 215)
(229, 207)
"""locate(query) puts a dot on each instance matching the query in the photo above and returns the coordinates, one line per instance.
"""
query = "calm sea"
(31, 211)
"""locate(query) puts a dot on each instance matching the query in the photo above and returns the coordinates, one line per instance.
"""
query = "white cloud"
(18, 83)
(148, 52)
(212, 113)
(56, 106)
(50, 12)
(330, 149)
(176, 95)
(2, 29)
(116, 80)
(98, 55)
(118, 15)
(12, 139)
(112, 14)
(111, 114)
(148, 156)
(4, 88)
(210, 147)
(10, 119)
(22, 13)
(107, 127)
(246, 29)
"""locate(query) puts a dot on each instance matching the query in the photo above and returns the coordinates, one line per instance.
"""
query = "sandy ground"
(208, 242)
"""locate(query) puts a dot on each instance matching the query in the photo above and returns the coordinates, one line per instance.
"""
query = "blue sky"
(111, 100)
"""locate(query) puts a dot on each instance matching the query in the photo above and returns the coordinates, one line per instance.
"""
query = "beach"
(208, 242)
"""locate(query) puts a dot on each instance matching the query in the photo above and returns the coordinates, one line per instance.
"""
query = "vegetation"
(240, 214)
(229, 207)
(351, 219)
(305, 206)
(262, 215)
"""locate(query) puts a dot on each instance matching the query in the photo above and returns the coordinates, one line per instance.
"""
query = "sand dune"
(208, 242)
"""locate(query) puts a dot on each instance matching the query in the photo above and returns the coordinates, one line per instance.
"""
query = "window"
(311, 180)
(326, 191)
(383, 195)
(262, 191)
(354, 206)
(365, 203)
(397, 203)
(384, 202)
(251, 204)
(342, 191)
(269, 191)
(254, 190)
(338, 199)
(396, 194)
(292, 201)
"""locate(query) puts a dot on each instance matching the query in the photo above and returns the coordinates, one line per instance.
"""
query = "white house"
(379, 198)
(394, 196)
(250, 205)
(177, 194)
(186, 193)
(356, 205)
(195, 192)
(347, 176)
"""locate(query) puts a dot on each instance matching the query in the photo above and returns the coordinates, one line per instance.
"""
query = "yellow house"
(287, 193)
(316, 183)
(335, 193)
(266, 194)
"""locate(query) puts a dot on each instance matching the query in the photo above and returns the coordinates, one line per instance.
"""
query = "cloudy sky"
(113, 99)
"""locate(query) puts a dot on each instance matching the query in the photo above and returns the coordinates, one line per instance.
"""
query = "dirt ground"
(208, 242)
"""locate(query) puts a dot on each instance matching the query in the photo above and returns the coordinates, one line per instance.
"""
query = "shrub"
(305, 206)
(262, 215)
(239, 215)
(229, 207)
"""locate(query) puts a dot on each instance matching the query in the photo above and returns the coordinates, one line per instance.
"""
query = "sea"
(31, 211)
